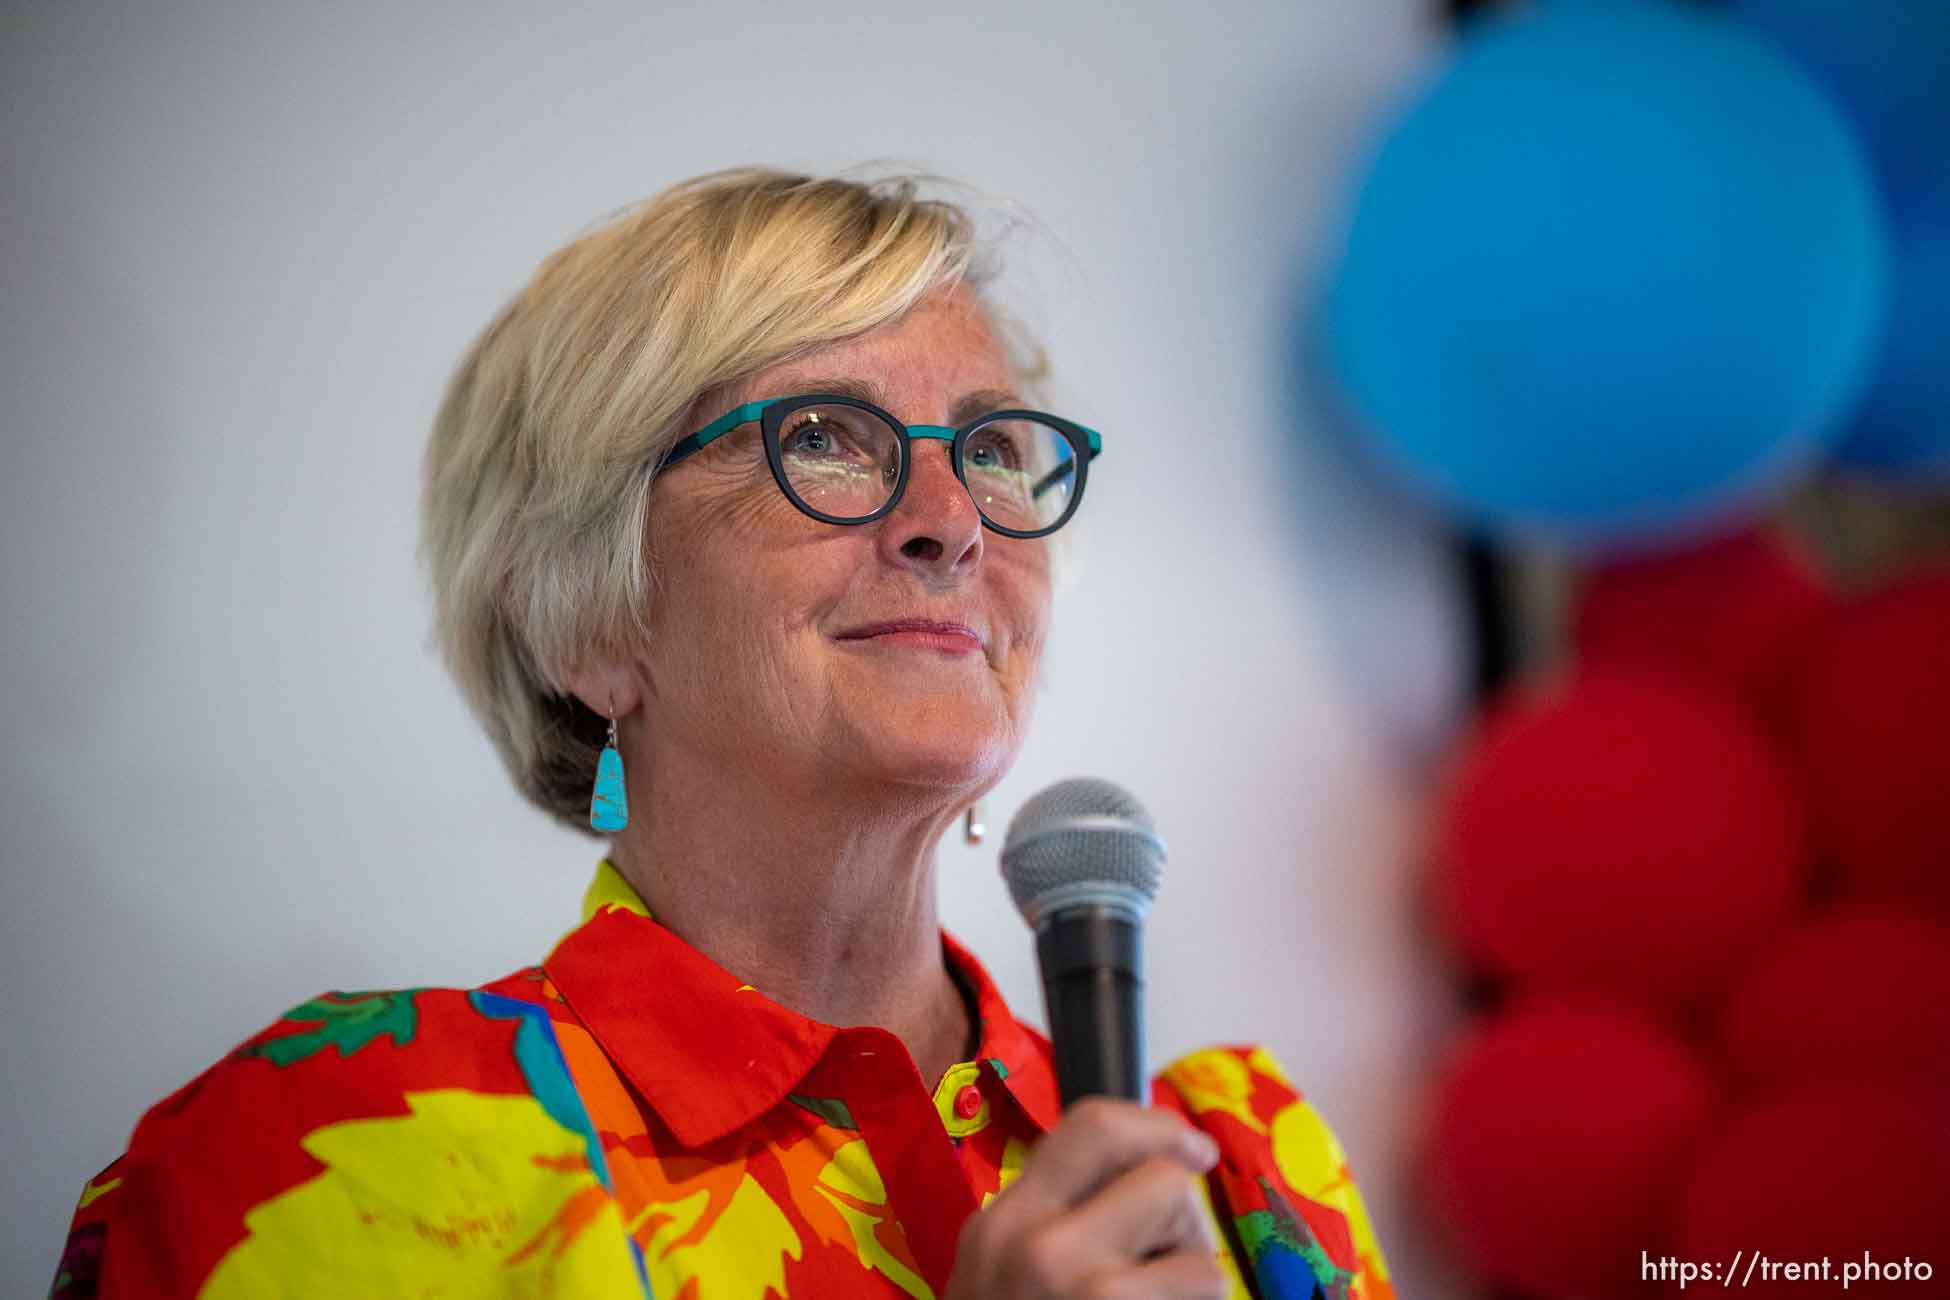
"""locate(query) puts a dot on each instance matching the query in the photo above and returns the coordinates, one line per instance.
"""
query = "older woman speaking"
(739, 526)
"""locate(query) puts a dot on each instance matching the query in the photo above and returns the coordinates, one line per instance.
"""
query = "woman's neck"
(829, 913)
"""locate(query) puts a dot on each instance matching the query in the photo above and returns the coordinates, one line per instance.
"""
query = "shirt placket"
(927, 1192)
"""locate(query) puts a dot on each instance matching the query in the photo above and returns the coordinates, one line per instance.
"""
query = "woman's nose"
(935, 528)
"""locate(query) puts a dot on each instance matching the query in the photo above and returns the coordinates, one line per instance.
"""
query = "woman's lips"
(949, 638)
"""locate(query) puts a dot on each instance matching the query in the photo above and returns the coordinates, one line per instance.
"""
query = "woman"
(740, 537)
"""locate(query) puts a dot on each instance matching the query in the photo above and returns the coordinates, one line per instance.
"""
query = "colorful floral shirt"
(628, 1119)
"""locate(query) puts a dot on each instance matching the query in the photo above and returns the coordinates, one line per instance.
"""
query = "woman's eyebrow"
(843, 387)
(980, 402)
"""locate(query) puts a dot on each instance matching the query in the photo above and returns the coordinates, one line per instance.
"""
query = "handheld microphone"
(1082, 861)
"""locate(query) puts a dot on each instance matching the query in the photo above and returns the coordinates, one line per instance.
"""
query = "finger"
(1154, 1209)
(1097, 1140)
(1184, 1276)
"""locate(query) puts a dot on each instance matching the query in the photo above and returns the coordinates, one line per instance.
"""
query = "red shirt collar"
(708, 1052)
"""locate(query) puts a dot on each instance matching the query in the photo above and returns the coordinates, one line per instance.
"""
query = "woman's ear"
(607, 688)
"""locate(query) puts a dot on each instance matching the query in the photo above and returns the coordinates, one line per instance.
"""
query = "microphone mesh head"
(1083, 839)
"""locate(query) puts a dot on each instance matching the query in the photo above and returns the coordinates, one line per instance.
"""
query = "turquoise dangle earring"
(609, 806)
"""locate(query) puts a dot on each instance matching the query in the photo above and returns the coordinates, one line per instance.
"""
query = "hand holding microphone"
(1108, 1203)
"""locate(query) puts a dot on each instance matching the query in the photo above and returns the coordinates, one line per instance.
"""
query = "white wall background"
(243, 244)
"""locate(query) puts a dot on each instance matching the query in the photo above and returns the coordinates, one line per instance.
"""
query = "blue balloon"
(1902, 430)
(1618, 273)
(1888, 64)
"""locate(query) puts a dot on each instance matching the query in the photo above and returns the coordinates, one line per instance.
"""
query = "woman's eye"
(812, 439)
(822, 438)
(995, 451)
(833, 435)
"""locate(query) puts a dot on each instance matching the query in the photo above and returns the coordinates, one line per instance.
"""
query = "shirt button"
(968, 1101)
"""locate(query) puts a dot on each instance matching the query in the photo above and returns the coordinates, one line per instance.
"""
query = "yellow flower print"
(1312, 1163)
(1014, 1152)
(1215, 1079)
(738, 1255)
(466, 1194)
(853, 1185)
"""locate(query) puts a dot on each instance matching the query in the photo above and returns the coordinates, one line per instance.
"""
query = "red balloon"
(1862, 993)
(1626, 835)
(1559, 1134)
(1871, 742)
(1850, 1173)
(1729, 615)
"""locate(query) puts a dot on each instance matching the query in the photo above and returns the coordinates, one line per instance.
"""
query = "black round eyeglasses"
(843, 460)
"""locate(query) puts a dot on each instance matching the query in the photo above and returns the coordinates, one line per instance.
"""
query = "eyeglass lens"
(845, 462)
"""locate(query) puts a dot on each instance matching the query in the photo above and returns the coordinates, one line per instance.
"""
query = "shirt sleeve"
(1282, 1193)
(78, 1274)
(395, 1143)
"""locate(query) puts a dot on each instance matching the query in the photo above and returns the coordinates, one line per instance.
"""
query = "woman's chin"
(943, 753)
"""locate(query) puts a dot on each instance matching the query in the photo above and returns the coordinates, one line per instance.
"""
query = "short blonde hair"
(537, 473)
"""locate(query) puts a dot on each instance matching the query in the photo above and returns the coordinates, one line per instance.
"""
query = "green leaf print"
(830, 1109)
(1280, 1227)
(347, 1021)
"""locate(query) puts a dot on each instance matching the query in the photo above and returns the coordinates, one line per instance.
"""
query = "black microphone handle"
(1093, 989)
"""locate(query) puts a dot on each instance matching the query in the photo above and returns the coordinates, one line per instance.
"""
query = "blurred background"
(1514, 581)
